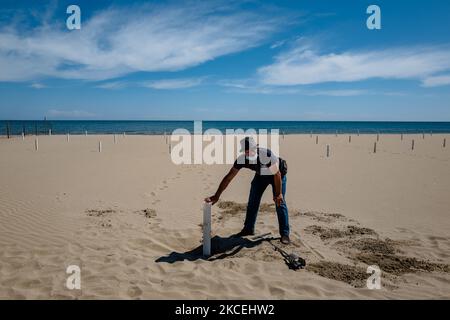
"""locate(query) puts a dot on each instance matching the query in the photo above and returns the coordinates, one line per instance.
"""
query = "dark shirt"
(264, 160)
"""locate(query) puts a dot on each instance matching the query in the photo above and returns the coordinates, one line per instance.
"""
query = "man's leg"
(259, 184)
(282, 210)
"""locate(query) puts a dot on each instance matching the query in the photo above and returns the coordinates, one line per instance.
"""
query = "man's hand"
(213, 199)
(278, 200)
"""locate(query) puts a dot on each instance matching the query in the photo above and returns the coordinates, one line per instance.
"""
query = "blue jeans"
(259, 185)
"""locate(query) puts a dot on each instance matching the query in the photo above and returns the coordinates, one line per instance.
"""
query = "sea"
(154, 127)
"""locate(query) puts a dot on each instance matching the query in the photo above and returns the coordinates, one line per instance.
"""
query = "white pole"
(36, 144)
(124, 134)
(85, 133)
(207, 229)
(23, 136)
(68, 137)
(49, 132)
(99, 146)
(114, 138)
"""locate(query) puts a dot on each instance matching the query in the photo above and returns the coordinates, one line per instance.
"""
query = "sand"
(131, 220)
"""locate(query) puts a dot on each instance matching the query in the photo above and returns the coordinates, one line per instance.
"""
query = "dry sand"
(131, 220)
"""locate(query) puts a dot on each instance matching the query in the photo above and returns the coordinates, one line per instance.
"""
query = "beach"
(131, 220)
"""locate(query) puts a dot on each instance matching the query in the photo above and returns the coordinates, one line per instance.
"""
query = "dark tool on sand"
(293, 261)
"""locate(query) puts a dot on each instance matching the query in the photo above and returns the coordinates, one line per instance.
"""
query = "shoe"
(245, 232)
(285, 240)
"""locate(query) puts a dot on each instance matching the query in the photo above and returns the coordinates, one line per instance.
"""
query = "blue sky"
(225, 60)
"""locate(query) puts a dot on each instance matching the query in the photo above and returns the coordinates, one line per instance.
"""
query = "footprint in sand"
(134, 292)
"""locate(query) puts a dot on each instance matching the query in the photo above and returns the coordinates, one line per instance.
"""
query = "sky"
(225, 60)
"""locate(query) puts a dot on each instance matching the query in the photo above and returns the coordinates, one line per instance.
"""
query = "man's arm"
(223, 185)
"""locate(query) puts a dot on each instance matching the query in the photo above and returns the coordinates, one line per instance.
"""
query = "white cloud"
(301, 65)
(339, 93)
(169, 84)
(436, 81)
(38, 86)
(114, 85)
(252, 86)
(118, 41)
(70, 114)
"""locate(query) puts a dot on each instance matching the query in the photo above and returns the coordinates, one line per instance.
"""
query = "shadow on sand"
(221, 248)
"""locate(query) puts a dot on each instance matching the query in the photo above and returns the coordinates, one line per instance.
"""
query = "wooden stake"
(349, 139)
(412, 145)
(374, 147)
(99, 146)
(207, 229)
(328, 150)
(443, 145)
(317, 139)
(68, 137)
(36, 144)
(8, 131)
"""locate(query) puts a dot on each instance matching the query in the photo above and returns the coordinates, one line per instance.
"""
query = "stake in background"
(207, 229)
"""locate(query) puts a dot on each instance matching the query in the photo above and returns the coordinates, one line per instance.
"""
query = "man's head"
(248, 146)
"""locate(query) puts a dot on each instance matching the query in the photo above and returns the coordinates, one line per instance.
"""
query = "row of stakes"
(36, 141)
(444, 143)
(170, 146)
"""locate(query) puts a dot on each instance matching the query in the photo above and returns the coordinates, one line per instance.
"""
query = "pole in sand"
(36, 144)
(378, 137)
(412, 145)
(443, 145)
(317, 139)
(99, 146)
(374, 147)
(349, 139)
(68, 137)
(207, 229)
(49, 132)
(85, 133)
(115, 139)
(328, 150)
(401, 136)
(23, 136)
